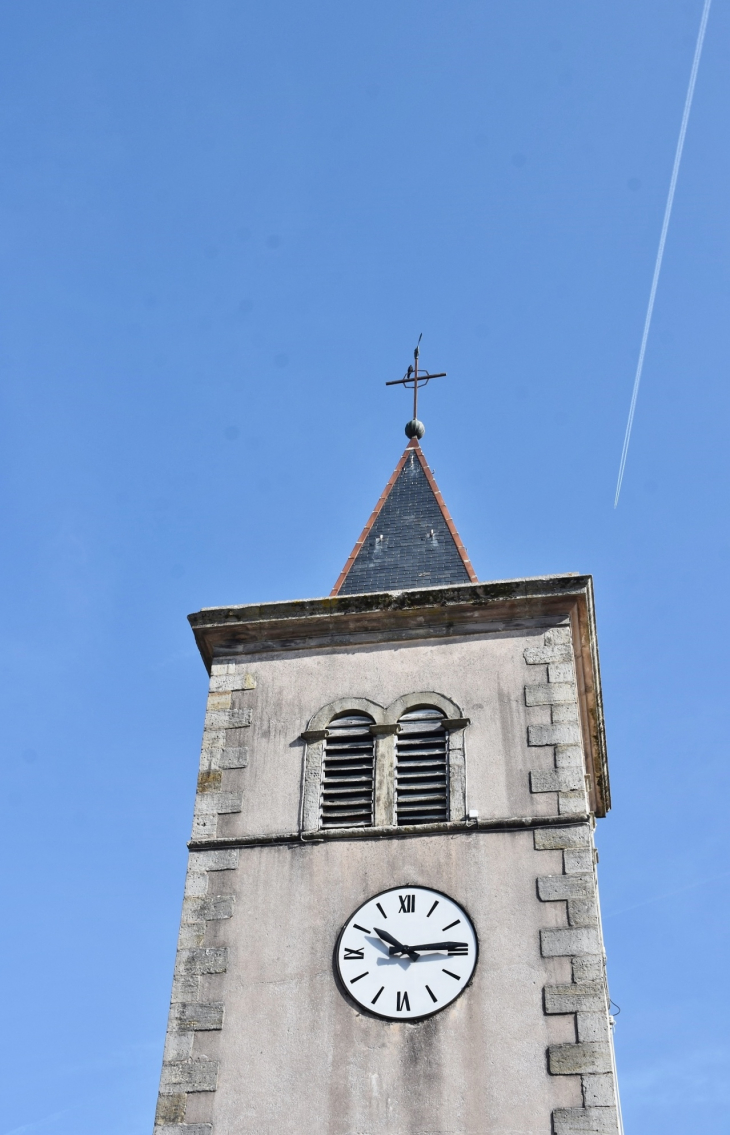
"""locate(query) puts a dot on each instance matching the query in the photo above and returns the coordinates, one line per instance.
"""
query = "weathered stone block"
(211, 960)
(553, 887)
(539, 655)
(189, 1076)
(209, 780)
(553, 735)
(557, 636)
(582, 912)
(578, 859)
(574, 1059)
(178, 1046)
(215, 860)
(170, 1109)
(186, 1129)
(560, 943)
(589, 996)
(185, 987)
(218, 701)
(556, 780)
(566, 714)
(572, 803)
(235, 757)
(218, 803)
(585, 1121)
(599, 1091)
(561, 671)
(554, 693)
(588, 968)
(240, 718)
(208, 909)
(201, 1017)
(191, 934)
(569, 756)
(554, 839)
(593, 1026)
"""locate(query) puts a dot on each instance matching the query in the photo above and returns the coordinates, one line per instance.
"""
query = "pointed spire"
(410, 540)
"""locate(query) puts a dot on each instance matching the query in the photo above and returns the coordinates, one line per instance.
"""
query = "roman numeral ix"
(354, 955)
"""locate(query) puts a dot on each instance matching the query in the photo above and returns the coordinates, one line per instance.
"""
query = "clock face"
(407, 953)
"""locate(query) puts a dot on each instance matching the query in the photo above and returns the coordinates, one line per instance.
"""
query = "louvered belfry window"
(348, 774)
(422, 768)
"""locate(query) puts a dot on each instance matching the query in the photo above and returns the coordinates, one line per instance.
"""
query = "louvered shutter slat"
(422, 769)
(348, 773)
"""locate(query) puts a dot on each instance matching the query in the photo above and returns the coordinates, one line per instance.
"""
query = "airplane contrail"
(662, 241)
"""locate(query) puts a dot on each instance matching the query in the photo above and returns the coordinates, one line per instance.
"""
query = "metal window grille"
(422, 769)
(348, 774)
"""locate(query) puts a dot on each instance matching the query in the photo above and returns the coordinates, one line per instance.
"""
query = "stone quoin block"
(186, 1129)
(561, 943)
(551, 694)
(213, 960)
(572, 803)
(225, 860)
(551, 888)
(209, 909)
(568, 756)
(556, 839)
(199, 1016)
(557, 636)
(575, 1059)
(564, 713)
(598, 1091)
(585, 1121)
(563, 734)
(557, 780)
(189, 1076)
(171, 1109)
(583, 912)
(543, 655)
(218, 803)
(587, 996)
(234, 757)
(577, 860)
(561, 671)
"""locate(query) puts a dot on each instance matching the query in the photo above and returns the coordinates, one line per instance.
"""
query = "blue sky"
(222, 228)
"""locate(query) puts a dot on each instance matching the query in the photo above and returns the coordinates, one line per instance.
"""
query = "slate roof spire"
(410, 540)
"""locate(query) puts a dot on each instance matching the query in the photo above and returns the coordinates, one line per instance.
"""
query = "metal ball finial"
(414, 428)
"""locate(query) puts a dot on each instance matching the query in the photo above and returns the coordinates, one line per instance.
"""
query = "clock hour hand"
(396, 946)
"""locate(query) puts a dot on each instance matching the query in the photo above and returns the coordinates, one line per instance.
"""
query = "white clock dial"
(407, 953)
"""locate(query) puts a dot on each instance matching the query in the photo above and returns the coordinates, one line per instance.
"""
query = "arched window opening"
(348, 773)
(422, 768)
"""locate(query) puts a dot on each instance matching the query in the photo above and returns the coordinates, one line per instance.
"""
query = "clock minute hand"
(441, 946)
(398, 947)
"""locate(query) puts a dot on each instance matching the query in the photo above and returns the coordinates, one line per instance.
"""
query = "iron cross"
(415, 380)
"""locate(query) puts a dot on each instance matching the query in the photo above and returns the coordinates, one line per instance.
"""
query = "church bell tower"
(391, 923)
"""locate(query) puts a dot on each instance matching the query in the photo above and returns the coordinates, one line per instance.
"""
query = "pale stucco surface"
(485, 676)
(297, 1058)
